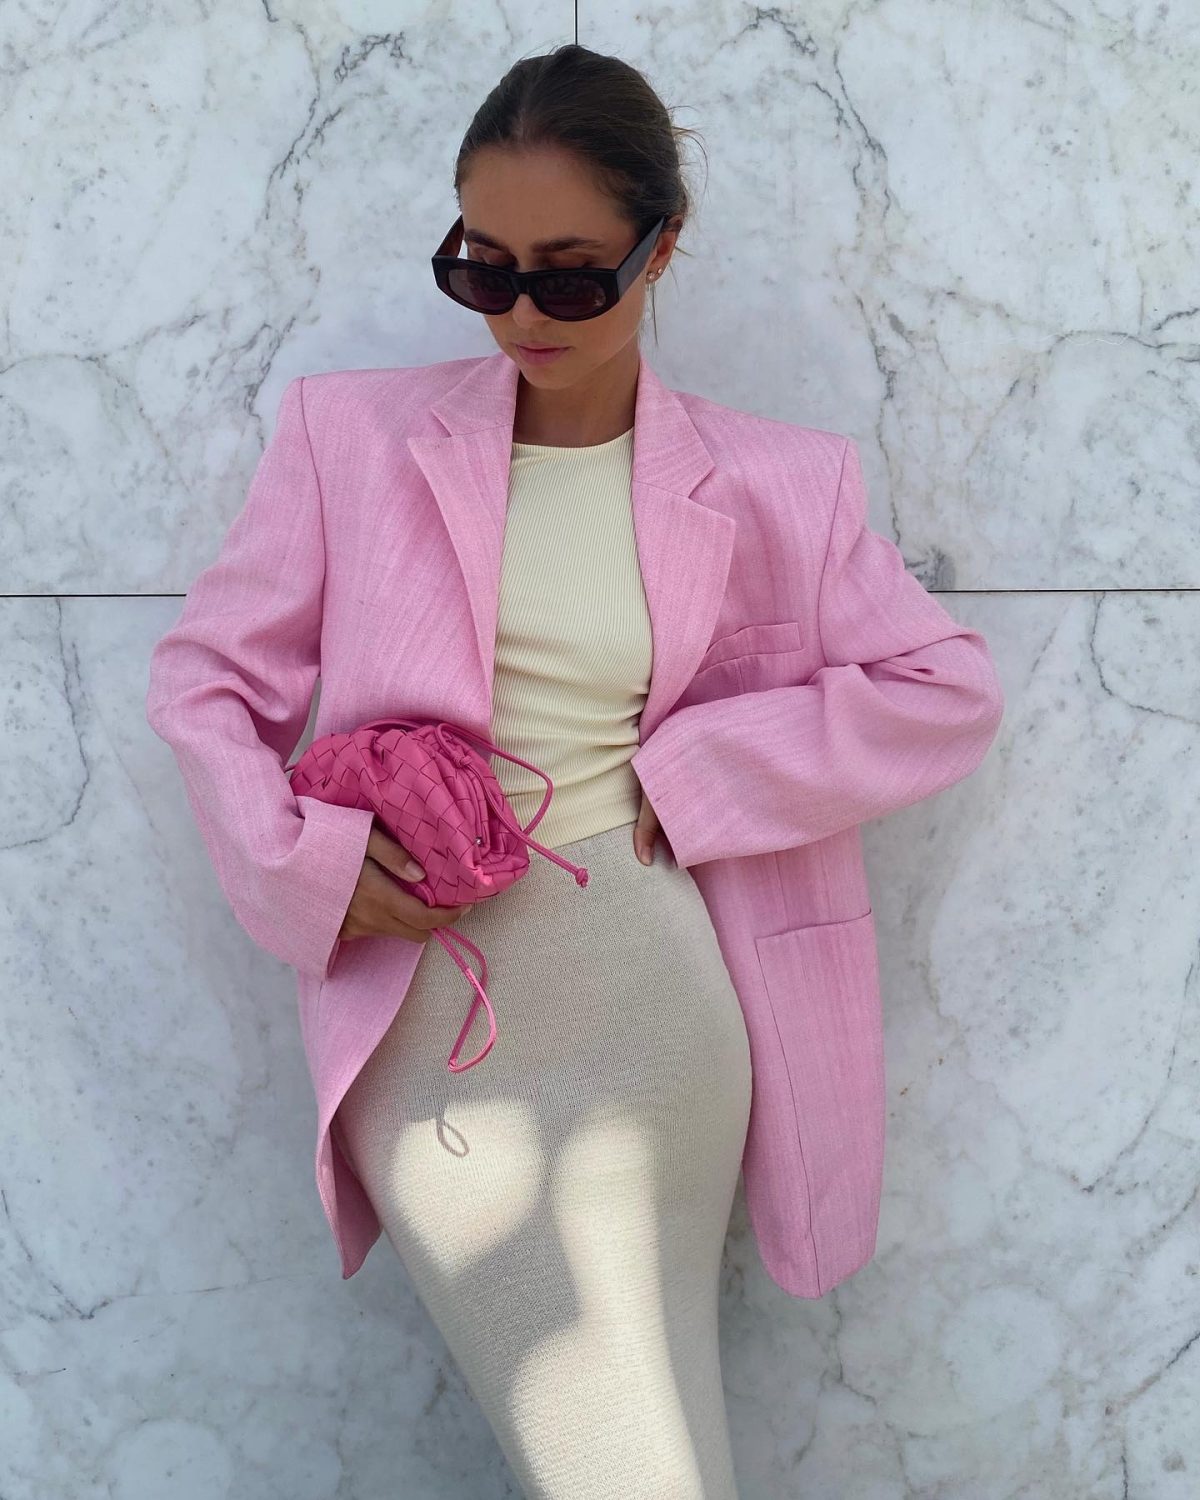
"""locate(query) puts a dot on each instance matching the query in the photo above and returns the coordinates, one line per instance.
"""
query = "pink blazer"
(803, 682)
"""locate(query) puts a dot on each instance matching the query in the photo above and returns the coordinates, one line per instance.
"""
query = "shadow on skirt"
(562, 1206)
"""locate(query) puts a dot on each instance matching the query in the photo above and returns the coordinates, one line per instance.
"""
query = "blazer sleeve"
(230, 689)
(907, 703)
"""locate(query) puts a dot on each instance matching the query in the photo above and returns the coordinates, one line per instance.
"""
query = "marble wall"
(963, 234)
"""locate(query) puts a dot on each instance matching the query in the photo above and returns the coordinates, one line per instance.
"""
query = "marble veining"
(963, 235)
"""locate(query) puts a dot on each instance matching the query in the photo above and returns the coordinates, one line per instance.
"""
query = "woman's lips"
(541, 356)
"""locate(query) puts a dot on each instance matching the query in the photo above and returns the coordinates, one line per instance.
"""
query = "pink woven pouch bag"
(438, 797)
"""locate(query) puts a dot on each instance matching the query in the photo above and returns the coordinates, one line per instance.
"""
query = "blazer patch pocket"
(822, 986)
(750, 640)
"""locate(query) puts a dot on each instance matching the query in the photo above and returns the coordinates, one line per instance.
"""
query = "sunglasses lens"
(570, 295)
(481, 288)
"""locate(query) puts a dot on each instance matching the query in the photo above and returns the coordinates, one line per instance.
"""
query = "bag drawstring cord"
(444, 934)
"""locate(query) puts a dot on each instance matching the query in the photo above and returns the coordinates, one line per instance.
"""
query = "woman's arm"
(908, 703)
(230, 689)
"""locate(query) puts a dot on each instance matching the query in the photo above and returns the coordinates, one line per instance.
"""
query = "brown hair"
(605, 112)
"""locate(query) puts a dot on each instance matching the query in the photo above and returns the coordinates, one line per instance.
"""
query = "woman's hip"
(615, 989)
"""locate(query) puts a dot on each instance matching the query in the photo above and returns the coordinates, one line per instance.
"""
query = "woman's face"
(511, 200)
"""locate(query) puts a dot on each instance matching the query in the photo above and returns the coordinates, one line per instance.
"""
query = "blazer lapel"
(684, 548)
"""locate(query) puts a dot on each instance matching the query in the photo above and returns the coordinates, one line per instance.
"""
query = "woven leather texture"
(438, 798)
(430, 793)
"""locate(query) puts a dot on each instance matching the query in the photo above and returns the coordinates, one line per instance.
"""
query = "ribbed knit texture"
(573, 638)
(562, 1207)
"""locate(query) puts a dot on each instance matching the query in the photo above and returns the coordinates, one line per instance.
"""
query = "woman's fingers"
(645, 831)
(393, 856)
(380, 906)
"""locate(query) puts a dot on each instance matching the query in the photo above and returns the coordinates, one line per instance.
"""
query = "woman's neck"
(590, 411)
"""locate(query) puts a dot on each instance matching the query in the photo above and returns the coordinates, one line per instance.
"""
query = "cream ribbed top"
(573, 639)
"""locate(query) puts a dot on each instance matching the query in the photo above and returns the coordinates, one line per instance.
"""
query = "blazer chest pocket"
(752, 640)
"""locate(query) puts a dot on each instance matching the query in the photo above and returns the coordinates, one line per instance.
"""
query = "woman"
(562, 1207)
(748, 651)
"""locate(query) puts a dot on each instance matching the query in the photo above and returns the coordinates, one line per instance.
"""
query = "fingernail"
(413, 870)
(644, 855)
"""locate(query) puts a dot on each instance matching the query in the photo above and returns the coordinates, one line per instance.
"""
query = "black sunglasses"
(570, 295)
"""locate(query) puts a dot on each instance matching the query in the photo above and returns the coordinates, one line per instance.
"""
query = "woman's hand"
(645, 831)
(380, 907)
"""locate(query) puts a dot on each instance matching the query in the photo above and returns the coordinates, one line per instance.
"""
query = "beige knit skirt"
(561, 1207)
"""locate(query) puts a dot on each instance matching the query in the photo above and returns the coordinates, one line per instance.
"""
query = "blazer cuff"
(661, 768)
(321, 880)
